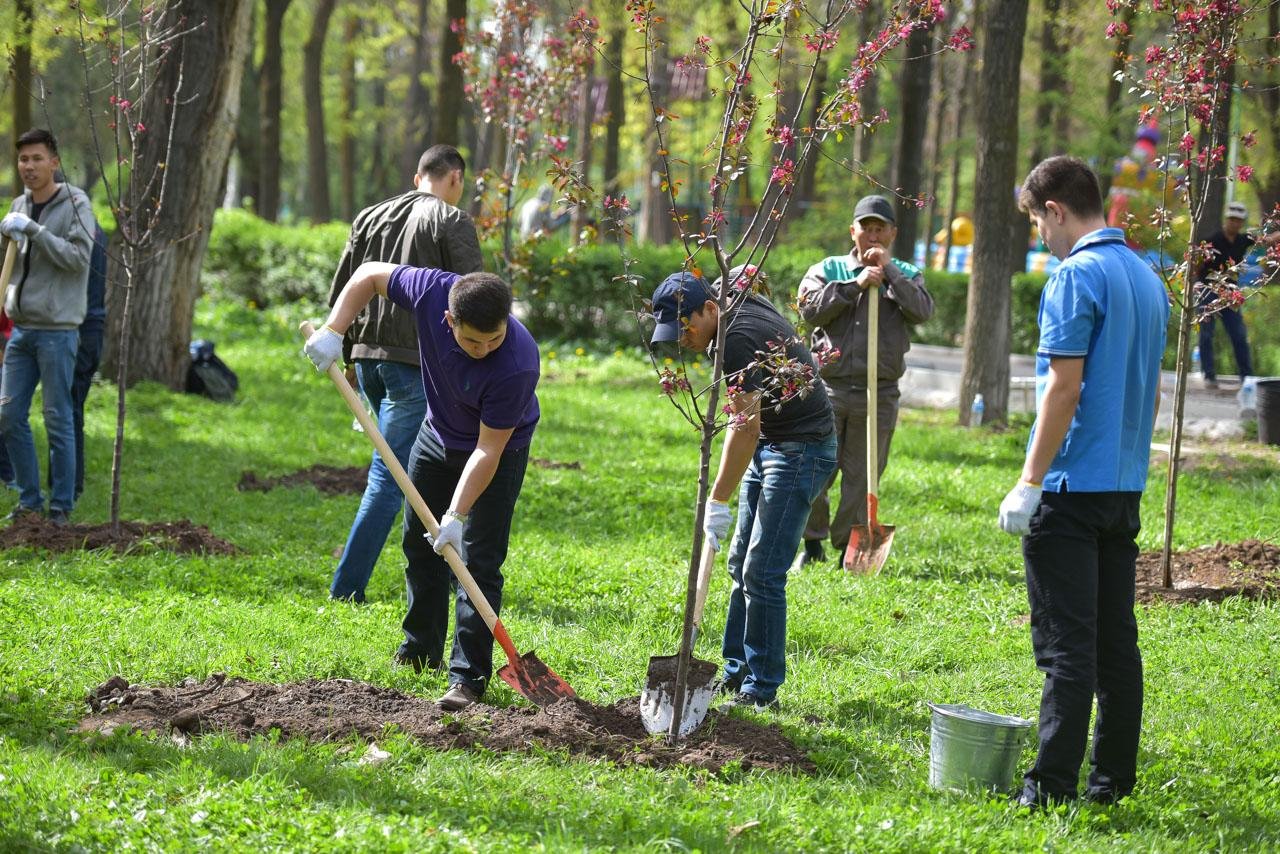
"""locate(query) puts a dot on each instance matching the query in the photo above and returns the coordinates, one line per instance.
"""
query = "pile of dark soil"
(339, 708)
(330, 480)
(1212, 573)
(180, 537)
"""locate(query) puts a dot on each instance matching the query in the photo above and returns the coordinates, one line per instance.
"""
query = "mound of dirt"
(180, 537)
(330, 480)
(333, 709)
(1212, 573)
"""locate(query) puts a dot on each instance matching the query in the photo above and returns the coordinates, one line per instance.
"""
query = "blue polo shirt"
(1103, 303)
(462, 392)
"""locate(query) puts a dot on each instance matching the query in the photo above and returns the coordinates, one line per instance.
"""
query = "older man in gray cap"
(833, 299)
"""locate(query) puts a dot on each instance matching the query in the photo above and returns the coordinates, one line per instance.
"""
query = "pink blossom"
(1187, 142)
(823, 40)
(1244, 173)
(783, 173)
(961, 40)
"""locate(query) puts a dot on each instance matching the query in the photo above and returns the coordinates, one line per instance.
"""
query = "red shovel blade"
(869, 544)
(529, 677)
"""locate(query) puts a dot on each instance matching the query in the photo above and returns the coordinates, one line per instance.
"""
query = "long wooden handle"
(704, 582)
(873, 388)
(10, 255)
(419, 506)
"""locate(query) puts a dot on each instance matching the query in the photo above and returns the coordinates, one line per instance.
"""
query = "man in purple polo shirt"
(480, 367)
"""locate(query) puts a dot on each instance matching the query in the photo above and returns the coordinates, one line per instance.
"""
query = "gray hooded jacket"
(50, 284)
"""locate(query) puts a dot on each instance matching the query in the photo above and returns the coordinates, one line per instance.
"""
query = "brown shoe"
(458, 697)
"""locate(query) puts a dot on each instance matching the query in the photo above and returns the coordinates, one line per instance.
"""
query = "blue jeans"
(777, 492)
(46, 357)
(1233, 322)
(395, 391)
(436, 471)
(88, 355)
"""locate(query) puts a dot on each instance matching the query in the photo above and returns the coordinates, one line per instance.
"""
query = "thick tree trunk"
(1267, 182)
(190, 115)
(1117, 131)
(418, 116)
(449, 94)
(614, 104)
(864, 146)
(270, 77)
(319, 207)
(347, 139)
(21, 79)
(1045, 130)
(995, 256)
(248, 132)
(914, 110)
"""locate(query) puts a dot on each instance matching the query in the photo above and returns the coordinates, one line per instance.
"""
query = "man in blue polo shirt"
(1102, 322)
(480, 367)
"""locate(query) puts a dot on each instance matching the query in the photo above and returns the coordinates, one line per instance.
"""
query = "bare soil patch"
(180, 537)
(330, 480)
(1212, 573)
(336, 709)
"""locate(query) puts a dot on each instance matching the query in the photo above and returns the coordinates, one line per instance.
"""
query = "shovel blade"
(532, 679)
(658, 697)
(868, 548)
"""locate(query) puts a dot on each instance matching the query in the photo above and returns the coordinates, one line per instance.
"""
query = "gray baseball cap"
(1237, 210)
(873, 206)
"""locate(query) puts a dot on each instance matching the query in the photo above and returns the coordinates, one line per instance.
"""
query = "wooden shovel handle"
(419, 506)
(873, 392)
(704, 582)
(10, 255)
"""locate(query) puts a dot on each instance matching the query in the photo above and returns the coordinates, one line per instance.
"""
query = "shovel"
(526, 674)
(662, 694)
(869, 544)
(10, 255)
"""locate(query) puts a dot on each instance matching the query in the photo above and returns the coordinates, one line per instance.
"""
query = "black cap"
(873, 206)
(679, 295)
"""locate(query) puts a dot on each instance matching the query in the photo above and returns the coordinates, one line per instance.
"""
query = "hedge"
(580, 295)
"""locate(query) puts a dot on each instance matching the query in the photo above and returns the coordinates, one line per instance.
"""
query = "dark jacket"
(832, 302)
(417, 229)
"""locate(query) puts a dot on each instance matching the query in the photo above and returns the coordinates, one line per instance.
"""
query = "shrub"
(262, 263)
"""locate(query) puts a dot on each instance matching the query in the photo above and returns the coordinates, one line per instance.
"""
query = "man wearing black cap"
(1229, 246)
(833, 299)
(781, 447)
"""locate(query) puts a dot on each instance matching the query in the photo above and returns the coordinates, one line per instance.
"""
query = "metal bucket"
(973, 749)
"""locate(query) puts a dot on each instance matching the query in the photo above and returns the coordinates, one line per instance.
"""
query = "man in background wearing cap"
(1230, 244)
(833, 299)
(780, 445)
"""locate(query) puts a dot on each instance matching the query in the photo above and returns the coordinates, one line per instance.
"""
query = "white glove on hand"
(452, 528)
(1017, 507)
(15, 224)
(323, 348)
(716, 525)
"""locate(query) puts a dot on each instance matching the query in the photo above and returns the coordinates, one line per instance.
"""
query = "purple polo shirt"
(463, 392)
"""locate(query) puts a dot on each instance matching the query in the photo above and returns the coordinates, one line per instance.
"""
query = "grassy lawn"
(595, 584)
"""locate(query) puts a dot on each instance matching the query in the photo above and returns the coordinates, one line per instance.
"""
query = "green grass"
(595, 584)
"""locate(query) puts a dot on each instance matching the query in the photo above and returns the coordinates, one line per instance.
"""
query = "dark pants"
(1233, 322)
(1080, 559)
(435, 472)
(88, 355)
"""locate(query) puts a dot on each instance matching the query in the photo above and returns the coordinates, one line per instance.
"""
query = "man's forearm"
(477, 474)
(739, 448)
(369, 280)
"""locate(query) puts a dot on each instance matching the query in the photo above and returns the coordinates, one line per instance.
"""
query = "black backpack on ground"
(209, 375)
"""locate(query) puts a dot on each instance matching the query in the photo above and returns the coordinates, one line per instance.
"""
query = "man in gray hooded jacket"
(47, 299)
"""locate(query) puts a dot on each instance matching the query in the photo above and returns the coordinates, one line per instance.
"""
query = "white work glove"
(323, 348)
(452, 527)
(15, 224)
(716, 524)
(1017, 507)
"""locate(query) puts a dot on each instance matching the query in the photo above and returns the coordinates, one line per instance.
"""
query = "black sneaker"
(20, 512)
(743, 700)
(813, 553)
(59, 518)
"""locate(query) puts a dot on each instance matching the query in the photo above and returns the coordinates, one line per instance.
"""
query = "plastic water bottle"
(1195, 362)
(976, 411)
(1247, 398)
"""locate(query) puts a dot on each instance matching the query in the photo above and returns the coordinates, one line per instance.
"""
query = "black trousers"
(1080, 558)
(435, 472)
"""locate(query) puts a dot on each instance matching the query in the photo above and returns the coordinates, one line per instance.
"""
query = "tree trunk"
(379, 168)
(995, 257)
(914, 110)
(197, 91)
(615, 106)
(655, 213)
(963, 100)
(270, 77)
(581, 214)
(1211, 185)
(806, 182)
(449, 94)
(1049, 100)
(1267, 182)
(864, 147)
(347, 138)
(1117, 132)
(248, 131)
(319, 207)
(21, 79)
(418, 125)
